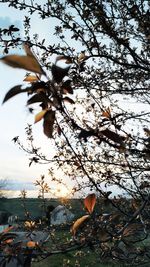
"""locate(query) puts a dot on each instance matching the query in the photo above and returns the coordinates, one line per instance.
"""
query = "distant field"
(34, 206)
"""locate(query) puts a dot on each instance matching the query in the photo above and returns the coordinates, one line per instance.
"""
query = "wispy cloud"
(20, 185)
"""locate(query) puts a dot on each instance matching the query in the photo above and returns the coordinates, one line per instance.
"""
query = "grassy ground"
(84, 262)
(80, 258)
(76, 259)
(84, 258)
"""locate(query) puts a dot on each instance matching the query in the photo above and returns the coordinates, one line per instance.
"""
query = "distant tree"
(3, 183)
(86, 98)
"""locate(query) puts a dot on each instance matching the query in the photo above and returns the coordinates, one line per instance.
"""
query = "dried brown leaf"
(68, 60)
(31, 78)
(28, 62)
(59, 73)
(48, 124)
(14, 91)
(78, 223)
(113, 136)
(89, 202)
(69, 100)
(82, 57)
(40, 97)
(40, 115)
(32, 244)
(107, 113)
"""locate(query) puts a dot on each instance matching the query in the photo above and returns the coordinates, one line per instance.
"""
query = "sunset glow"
(61, 191)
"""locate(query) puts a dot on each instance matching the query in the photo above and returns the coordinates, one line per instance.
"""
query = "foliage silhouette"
(102, 143)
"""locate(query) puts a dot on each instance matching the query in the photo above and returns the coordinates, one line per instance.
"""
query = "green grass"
(78, 258)
(74, 259)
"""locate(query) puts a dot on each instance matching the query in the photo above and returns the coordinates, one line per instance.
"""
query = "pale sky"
(14, 116)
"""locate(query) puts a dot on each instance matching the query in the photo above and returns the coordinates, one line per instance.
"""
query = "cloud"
(19, 185)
